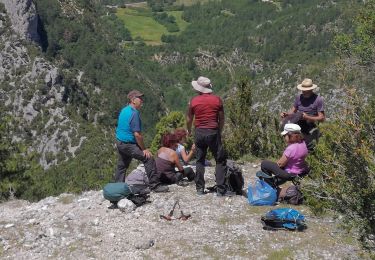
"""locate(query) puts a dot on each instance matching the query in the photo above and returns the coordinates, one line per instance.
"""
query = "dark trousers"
(126, 152)
(210, 139)
(271, 168)
(175, 177)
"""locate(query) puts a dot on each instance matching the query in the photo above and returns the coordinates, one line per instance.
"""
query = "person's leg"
(201, 152)
(217, 149)
(149, 163)
(124, 159)
(170, 177)
(189, 173)
(273, 168)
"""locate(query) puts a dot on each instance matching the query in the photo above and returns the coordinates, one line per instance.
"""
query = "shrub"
(343, 169)
(249, 130)
(167, 124)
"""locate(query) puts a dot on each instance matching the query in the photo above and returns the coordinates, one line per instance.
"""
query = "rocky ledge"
(82, 227)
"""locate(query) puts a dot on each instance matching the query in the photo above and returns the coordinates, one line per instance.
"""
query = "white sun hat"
(202, 84)
(291, 128)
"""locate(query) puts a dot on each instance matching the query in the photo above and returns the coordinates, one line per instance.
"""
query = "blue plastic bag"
(261, 194)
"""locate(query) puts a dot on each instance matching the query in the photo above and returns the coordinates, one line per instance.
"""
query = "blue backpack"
(261, 194)
(284, 218)
(116, 191)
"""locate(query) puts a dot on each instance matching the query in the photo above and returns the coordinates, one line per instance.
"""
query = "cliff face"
(24, 18)
(31, 88)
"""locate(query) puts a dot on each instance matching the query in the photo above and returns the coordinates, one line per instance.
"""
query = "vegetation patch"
(280, 254)
(66, 199)
(143, 26)
(190, 2)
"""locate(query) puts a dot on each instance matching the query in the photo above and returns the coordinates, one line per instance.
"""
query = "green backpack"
(116, 191)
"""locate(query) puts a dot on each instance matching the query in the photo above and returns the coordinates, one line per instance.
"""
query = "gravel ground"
(82, 227)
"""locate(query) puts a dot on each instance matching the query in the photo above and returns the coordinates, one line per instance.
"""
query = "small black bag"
(233, 178)
(139, 199)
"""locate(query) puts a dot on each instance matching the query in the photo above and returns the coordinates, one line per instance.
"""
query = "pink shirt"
(296, 154)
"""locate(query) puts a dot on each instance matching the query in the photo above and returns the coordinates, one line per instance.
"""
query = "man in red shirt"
(208, 111)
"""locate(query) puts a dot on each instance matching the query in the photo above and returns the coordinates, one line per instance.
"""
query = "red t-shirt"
(205, 108)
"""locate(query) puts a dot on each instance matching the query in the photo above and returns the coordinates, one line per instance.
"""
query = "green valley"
(61, 94)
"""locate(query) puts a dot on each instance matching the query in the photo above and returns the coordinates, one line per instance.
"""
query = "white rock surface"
(24, 18)
(82, 227)
(126, 206)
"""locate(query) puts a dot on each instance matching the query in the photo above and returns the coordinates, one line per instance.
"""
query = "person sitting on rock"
(307, 111)
(292, 163)
(167, 160)
(183, 156)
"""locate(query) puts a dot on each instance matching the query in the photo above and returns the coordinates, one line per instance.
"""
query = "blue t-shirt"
(129, 122)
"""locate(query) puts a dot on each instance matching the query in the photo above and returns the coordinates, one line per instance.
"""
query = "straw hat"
(306, 84)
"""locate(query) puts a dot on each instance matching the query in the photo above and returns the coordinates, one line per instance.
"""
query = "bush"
(343, 169)
(249, 130)
(167, 124)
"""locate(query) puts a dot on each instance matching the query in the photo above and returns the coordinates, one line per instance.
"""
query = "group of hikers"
(206, 111)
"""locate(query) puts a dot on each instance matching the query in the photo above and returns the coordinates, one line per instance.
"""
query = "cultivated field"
(141, 24)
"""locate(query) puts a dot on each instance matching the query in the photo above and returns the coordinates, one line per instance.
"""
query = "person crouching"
(167, 161)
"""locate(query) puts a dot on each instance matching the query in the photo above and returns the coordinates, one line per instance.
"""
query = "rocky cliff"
(24, 18)
(32, 89)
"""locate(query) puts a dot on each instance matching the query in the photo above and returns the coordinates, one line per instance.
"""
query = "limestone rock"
(24, 18)
(126, 206)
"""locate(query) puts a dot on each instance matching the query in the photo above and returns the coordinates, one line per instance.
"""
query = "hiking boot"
(113, 206)
(161, 188)
(227, 193)
(200, 192)
(182, 183)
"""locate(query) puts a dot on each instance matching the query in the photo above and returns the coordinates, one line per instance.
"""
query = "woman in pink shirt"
(292, 162)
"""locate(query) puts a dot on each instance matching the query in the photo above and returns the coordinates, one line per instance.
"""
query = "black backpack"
(233, 178)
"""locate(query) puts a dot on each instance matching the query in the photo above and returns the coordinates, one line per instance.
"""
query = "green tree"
(343, 164)
(249, 130)
(360, 43)
(167, 124)
(13, 180)
(343, 168)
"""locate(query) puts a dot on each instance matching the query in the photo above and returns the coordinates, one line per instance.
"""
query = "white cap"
(291, 128)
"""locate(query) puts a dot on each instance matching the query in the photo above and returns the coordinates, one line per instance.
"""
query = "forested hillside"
(96, 60)
(275, 45)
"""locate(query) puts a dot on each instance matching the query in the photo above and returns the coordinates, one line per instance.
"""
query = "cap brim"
(299, 86)
(284, 133)
(199, 88)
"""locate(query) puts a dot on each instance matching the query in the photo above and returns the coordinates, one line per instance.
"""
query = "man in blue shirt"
(130, 142)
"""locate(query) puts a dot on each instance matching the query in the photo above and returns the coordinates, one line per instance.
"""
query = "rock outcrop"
(24, 18)
(82, 227)
(32, 89)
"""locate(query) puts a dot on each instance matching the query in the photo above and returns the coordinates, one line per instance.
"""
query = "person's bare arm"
(282, 161)
(189, 120)
(187, 156)
(139, 139)
(221, 120)
(291, 111)
(319, 118)
(177, 162)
